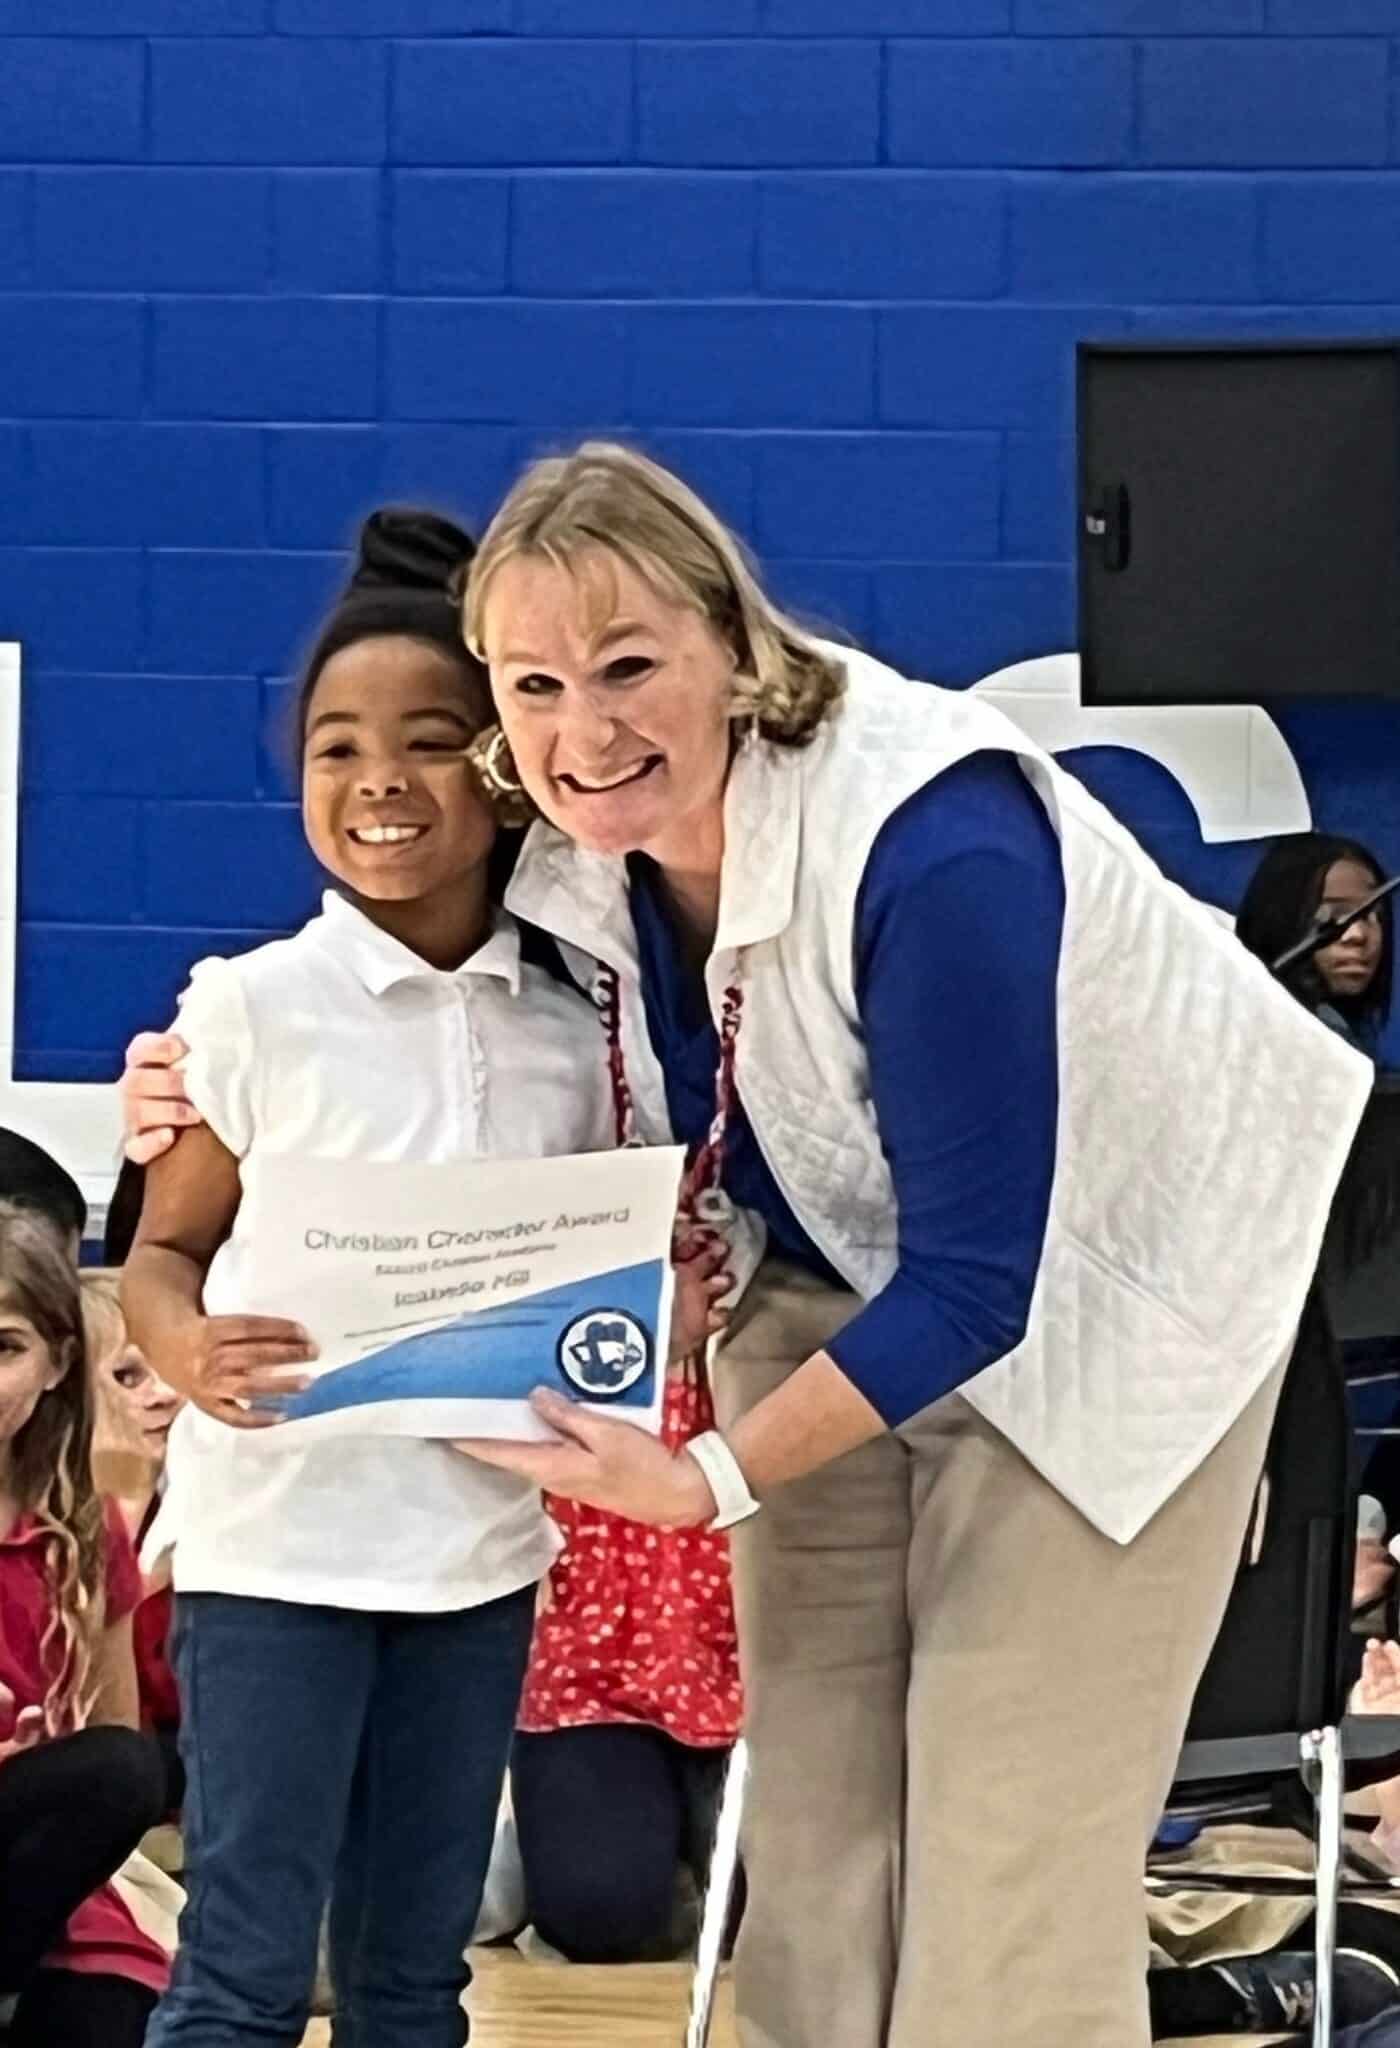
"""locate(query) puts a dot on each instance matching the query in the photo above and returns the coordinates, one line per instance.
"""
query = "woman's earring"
(489, 753)
(496, 763)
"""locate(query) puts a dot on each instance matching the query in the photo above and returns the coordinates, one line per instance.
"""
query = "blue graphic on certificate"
(440, 1296)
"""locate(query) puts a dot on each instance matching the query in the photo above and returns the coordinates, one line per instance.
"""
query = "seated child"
(135, 1412)
(79, 1786)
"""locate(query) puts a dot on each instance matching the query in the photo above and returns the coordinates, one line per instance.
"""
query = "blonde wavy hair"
(607, 500)
(104, 1324)
(122, 1467)
(51, 1464)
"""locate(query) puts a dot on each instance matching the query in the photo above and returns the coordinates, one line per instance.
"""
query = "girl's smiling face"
(391, 804)
(27, 1369)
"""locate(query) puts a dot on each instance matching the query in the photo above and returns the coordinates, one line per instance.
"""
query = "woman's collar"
(577, 897)
(762, 834)
(582, 898)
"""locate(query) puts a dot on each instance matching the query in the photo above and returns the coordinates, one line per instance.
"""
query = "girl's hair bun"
(409, 566)
(402, 548)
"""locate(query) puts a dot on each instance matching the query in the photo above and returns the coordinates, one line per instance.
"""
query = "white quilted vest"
(1204, 1117)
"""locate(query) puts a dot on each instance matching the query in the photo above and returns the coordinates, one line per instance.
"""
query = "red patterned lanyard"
(703, 1204)
(607, 1000)
(701, 1194)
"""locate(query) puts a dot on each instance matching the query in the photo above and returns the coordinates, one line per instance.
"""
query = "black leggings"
(71, 1812)
(63, 2009)
(607, 1816)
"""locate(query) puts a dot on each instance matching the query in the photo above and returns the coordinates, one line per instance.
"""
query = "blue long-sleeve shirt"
(957, 936)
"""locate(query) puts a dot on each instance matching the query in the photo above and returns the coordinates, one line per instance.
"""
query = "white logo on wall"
(1233, 764)
(1231, 760)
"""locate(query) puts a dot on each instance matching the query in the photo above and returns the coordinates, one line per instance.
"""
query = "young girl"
(353, 1618)
(78, 1787)
(1314, 875)
(135, 1412)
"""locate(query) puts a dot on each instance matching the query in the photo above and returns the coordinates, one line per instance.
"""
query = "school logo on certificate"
(604, 1353)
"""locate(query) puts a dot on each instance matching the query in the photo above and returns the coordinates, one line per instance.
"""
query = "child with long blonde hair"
(133, 1412)
(78, 1785)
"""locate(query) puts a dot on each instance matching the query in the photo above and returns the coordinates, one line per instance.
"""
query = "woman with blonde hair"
(994, 1405)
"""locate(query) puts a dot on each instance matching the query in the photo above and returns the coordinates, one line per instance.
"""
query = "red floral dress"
(637, 1624)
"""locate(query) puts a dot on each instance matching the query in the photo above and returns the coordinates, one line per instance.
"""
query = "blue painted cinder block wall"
(263, 262)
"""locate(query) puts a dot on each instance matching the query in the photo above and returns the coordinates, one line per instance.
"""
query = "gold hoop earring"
(489, 753)
(497, 746)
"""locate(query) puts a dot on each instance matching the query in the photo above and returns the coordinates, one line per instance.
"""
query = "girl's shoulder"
(305, 952)
(248, 1016)
(230, 988)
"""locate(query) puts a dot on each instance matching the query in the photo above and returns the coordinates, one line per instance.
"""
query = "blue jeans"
(330, 1750)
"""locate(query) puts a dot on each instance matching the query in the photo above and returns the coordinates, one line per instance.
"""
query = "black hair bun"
(404, 548)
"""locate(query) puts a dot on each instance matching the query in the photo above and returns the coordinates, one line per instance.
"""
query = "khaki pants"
(965, 1706)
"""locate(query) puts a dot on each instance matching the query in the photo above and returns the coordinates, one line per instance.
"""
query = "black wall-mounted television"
(1239, 521)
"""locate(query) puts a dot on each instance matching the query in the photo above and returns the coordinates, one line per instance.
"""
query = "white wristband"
(725, 1478)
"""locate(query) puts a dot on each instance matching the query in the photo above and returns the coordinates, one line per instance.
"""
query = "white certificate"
(439, 1296)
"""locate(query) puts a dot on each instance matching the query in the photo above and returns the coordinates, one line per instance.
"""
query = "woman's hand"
(237, 1368)
(609, 1464)
(153, 1098)
(702, 1280)
(23, 1731)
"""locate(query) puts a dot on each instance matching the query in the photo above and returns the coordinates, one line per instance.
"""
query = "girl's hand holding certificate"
(238, 1368)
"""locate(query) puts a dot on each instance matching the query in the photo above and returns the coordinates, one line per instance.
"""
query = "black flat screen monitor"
(1239, 522)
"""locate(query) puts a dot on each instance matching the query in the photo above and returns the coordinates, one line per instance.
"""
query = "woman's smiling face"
(615, 701)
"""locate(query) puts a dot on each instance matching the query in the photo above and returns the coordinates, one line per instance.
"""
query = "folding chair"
(1269, 1714)
(1361, 1268)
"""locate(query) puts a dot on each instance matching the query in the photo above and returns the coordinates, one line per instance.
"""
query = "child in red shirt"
(78, 1785)
(134, 1413)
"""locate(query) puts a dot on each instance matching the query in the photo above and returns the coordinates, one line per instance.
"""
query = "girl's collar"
(380, 960)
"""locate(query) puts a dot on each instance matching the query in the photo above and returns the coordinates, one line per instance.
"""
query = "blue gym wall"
(263, 262)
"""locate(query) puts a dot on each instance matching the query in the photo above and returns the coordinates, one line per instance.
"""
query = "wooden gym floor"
(516, 2004)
